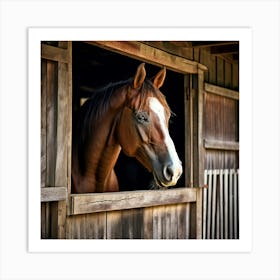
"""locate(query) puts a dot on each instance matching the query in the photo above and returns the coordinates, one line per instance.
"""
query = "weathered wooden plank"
(51, 112)
(204, 60)
(235, 76)
(220, 145)
(195, 133)
(199, 219)
(159, 222)
(174, 221)
(192, 220)
(45, 220)
(69, 123)
(149, 54)
(156, 223)
(53, 194)
(212, 70)
(148, 222)
(231, 172)
(217, 233)
(127, 224)
(188, 133)
(235, 204)
(88, 226)
(214, 193)
(61, 219)
(228, 74)
(201, 151)
(89, 203)
(204, 217)
(188, 226)
(209, 204)
(172, 48)
(53, 219)
(196, 54)
(168, 222)
(101, 225)
(183, 221)
(138, 220)
(132, 224)
(114, 225)
(43, 122)
(221, 205)
(221, 91)
(220, 72)
(62, 120)
(54, 53)
(226, 202)
(162, 212)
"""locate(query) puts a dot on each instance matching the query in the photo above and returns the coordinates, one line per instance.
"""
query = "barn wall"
(222, 71)
(221, 126)
(175, 221)
(56, 114)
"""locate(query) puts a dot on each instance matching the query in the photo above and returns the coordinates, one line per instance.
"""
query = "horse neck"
(102, 154)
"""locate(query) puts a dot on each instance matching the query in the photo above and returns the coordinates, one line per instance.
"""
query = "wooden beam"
(99, 202)
(221, 145)
(54, 53)
(144, 52)
(221, 91)
(172, 48)
(53, 194)
(206, 44)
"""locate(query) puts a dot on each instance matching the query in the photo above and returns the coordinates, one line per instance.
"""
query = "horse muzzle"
(168, 174)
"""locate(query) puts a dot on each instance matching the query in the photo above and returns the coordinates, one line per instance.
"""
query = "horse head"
(143, 128)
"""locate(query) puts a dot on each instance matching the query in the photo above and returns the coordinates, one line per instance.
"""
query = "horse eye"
(142, 117)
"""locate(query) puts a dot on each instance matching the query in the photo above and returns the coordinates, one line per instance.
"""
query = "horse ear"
(139, 76)
(159, 78)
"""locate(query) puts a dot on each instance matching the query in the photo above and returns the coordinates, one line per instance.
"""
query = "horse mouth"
(158, 183)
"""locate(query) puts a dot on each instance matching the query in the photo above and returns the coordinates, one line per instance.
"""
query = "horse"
(132, 116)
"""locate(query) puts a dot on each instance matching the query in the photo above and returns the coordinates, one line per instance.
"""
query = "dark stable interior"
(95, 67)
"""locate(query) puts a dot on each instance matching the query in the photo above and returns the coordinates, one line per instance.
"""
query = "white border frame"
(243, 35)
(262, 16)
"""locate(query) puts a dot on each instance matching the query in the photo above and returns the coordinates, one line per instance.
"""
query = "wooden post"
(201, 152)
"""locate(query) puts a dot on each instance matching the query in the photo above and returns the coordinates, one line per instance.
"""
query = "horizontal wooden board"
(54, 53)
(221, 145)
(221, 91)
(151, 55)
(90, 203)
(53, 194)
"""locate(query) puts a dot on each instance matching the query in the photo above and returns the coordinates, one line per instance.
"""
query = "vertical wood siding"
(159, 222)
(55, 133)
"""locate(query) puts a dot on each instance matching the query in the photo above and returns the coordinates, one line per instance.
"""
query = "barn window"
(94, 67)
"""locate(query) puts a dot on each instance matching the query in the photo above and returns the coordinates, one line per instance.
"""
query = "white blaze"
(158, 109)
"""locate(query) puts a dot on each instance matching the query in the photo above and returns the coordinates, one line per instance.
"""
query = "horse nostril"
(168, 173)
